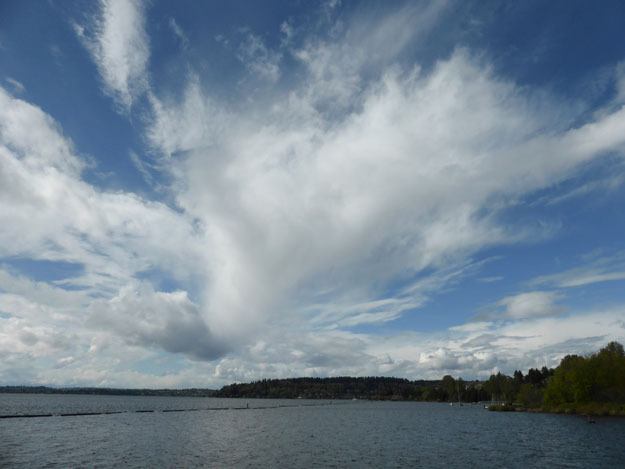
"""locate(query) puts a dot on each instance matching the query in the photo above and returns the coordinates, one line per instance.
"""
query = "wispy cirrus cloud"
(180, 34)
(118, 44)
(261, 61)
(18, 88)
(599, 269)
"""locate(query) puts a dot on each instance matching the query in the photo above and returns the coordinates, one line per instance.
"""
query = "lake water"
(344, 434)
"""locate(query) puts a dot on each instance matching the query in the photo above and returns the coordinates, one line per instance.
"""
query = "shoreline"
(594, 409)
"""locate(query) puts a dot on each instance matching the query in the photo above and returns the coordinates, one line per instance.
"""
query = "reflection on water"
(354, 434)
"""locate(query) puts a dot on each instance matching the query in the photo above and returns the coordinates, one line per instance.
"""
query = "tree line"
(345, 387)
(592, 384)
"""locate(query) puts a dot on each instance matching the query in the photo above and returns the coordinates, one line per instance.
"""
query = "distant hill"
(374, 388)
(195, 392)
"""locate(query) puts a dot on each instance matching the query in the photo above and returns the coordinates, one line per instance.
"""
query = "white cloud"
(530, 305)
(600, 269)
(287, 30)
(49, 213)
(261, 61)
(619, 77)
(189, 123)
(467, 351)
(569, 279)
(179, 33)
(607, 184)
(34, 140)
(157, 319)
(296, 202)
(143, 168)
(368, 44)
(119, 46)
(20, 337)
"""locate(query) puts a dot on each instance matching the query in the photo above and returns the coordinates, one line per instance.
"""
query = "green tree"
(448, 384)
(530, 396)
(608, 374)
(571, 382)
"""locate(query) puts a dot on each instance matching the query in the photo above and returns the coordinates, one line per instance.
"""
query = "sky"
(200, 193)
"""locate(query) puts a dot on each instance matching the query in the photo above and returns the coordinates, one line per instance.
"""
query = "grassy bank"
(597, 409)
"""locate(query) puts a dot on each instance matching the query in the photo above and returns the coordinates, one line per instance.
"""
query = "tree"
(534, 377)
(613, 348)
(530, 396)
(448, 384)
(500, 387)
(608, 374)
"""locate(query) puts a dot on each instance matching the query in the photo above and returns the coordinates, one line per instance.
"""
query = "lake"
(181, 432)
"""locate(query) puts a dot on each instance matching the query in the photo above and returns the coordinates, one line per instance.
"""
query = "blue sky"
(198, 193)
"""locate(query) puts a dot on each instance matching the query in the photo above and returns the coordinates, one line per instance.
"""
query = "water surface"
(344, 434)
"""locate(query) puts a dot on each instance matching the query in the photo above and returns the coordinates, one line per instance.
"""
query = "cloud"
(19, 337)
(286, 29)
(49, 213)
(467, 351)
(56, 51)
(530, 305)
(497, 346)
(341, 311)
(119, 46)
(619, 78)
(608, 184)
(17, 86)
(601, 269)
(259, 59)
(299, 204)
(148, 318)
(142, 167)
(185, 124)
(493, 279)
(34, 141)
(337, 63)
(179, 33)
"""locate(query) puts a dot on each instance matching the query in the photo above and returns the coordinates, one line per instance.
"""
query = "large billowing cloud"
(148, 318)
(304, 210)
(317, 197)
(343, 195)
(50, 214)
